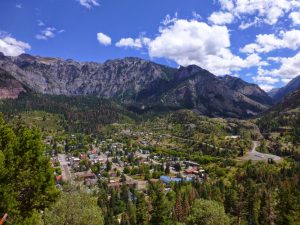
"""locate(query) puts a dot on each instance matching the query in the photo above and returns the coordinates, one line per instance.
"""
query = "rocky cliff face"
(9, 86)
(139, 82)
(252, 91)
(209, 95)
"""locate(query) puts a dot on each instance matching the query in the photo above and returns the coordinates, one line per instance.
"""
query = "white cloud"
(295, 17)
(9, 46)
(168, 19)
(89, 3)
(103, 39)
(266, 87)
(270, 11)
(221, 18)
(226, 4)
(193, 42)
(48, 32)
(284, 80)
(133, 43)
(289, 68)
(245, 25)
(196, 16)
(269, 42)
(19, 6)
(265, 79)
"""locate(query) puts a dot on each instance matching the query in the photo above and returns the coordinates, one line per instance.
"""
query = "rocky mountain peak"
(135, 81)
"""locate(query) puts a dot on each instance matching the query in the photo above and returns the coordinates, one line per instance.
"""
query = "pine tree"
(160, 210)
(27, 182)
(142, 216)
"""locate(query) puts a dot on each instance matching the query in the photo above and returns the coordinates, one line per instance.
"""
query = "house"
(232, 137)
(58, 178)
(83, 156)
(191, 170)
(190, 163)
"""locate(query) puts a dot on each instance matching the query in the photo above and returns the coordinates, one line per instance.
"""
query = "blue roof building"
(168, 180)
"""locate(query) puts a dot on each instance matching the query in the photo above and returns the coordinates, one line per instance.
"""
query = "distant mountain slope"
(291, 102)
(252, 91)
(292, 86)
(137, 82)
(282, 116)
(273, 92)
(9, 86)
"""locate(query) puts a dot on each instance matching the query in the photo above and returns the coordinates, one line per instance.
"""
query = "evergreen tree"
(142, 215)
(26, 177)
(160, 210)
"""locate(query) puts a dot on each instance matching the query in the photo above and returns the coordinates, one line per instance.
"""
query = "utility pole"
(3, 219)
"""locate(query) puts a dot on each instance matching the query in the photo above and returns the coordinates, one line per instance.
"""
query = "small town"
(136, 112)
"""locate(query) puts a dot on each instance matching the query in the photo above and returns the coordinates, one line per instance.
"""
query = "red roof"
(58, 178)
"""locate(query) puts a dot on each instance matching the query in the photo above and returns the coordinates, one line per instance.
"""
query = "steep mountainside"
(208, 95)
(252, 91)
(9, 86)
(273, 92)
(284, 116)
(137, 82)
(290, 103)
(292, 86)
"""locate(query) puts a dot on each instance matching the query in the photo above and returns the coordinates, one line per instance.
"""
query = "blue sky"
(257, 40)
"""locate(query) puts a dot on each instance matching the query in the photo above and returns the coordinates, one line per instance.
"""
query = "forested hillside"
(79, 113)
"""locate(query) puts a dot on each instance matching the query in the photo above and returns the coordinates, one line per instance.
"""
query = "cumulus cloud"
(103, 39)
(269, 11)
(189, 42)
(19, 6)
(295, 17)
(268, 42)
(289, 68)
(9, 46)
(89, 3)
(133, 43)
(193, 42)
(221, 18)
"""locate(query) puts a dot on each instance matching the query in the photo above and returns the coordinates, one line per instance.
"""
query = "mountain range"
(135, 83)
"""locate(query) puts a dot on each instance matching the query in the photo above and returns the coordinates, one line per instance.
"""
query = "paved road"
(65, 171)
(258, 156)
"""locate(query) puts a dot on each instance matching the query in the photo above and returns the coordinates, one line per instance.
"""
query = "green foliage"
(205, 212)
(26, 177)
(80, 113)
(76, 209)
(160, 213)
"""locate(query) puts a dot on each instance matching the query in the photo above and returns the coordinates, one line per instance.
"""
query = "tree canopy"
(26, 176)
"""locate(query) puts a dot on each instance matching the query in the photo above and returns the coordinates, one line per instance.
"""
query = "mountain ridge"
(135, 81)
(290, 87)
